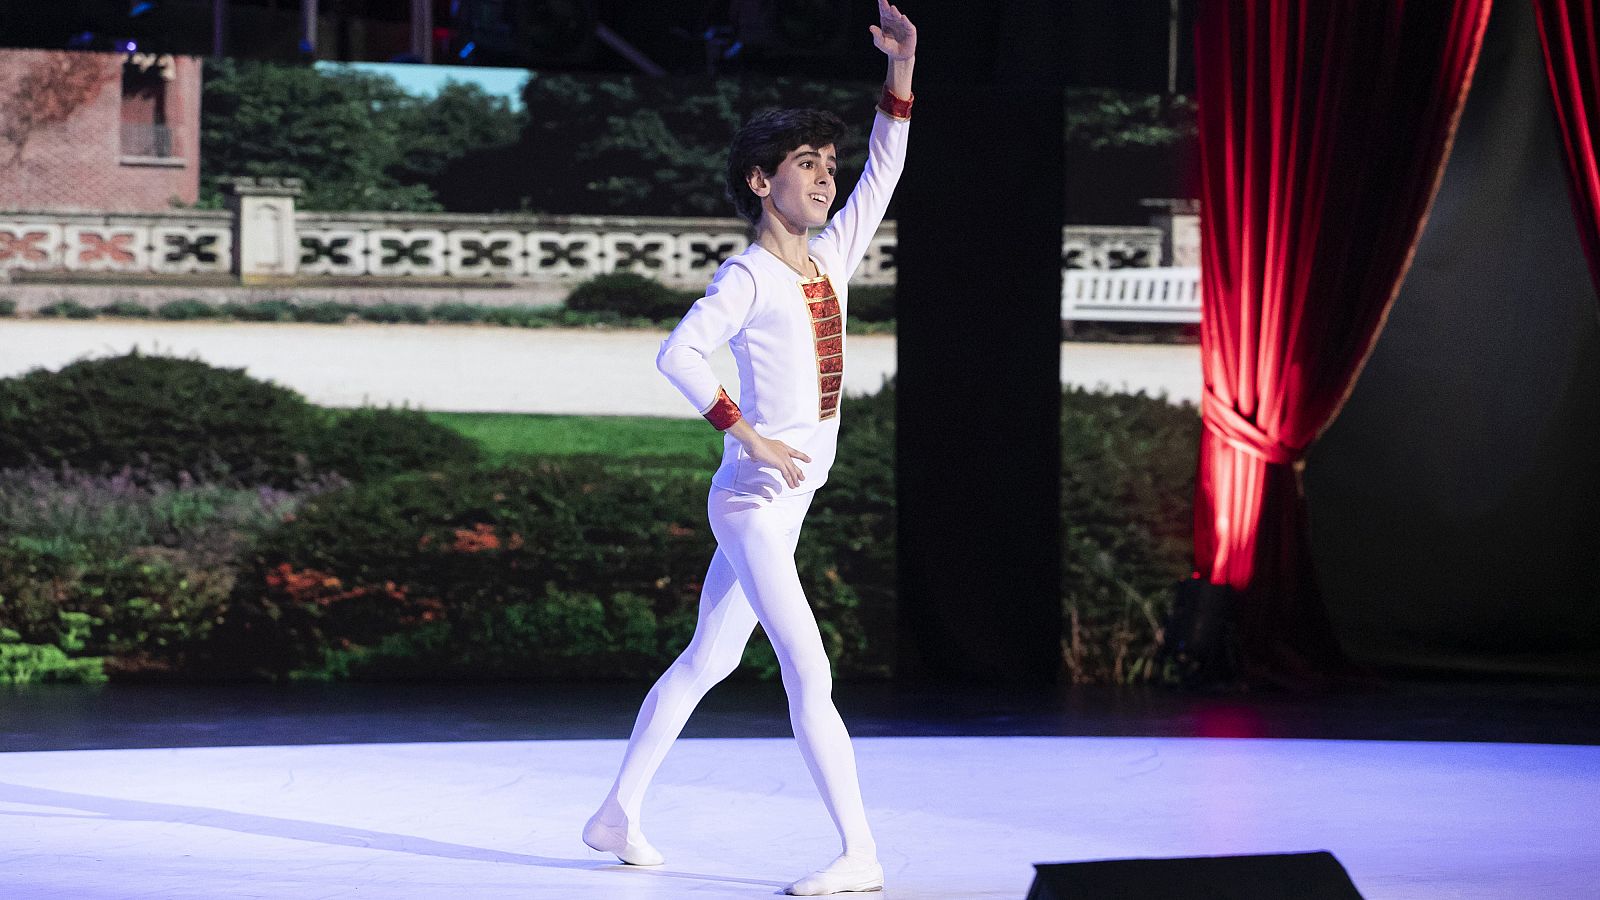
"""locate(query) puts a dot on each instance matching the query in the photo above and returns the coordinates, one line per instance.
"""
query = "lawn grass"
(506, 435)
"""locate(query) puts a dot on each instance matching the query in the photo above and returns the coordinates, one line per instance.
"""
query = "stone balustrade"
(262, 239)
(262, 234)
(176, 243)
(681, 252)
(403, 245)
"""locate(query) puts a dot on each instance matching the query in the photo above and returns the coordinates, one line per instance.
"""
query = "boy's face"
(801, 192)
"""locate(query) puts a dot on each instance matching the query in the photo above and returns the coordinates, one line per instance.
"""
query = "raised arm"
(897, 38)
(851, 231)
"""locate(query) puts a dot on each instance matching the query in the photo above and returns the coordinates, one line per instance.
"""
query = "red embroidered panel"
(817, 288)
(827, 327)
(822, 309)
(724, 412)
(827, 331)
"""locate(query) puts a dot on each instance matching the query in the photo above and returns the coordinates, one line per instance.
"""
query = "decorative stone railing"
(157, 243)
(682, 252)
(393, 245)
(262, 238)
(1110, 247)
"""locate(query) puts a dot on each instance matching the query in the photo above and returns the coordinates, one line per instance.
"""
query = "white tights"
(753, 578)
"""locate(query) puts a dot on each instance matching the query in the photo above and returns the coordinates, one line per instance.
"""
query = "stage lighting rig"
(88, 25)
(758, 31)
(522, 33)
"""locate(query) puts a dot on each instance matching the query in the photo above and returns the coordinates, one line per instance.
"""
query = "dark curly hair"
(765, 141)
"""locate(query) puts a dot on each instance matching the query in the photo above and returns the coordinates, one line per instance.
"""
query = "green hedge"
(423, 561)
(554, 568)
(127, 309)
(618, 300)
(175, 418)
(22, 663)
(185, 310)
(1127, 486)
(329, 312)
(124, 568)
(66, 309)
(173, 414)
(631, 296)
(371, 443)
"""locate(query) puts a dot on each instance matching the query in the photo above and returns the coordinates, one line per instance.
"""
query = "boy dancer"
(780, 306)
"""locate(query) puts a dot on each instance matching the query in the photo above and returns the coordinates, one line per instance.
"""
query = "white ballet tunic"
(786, 333)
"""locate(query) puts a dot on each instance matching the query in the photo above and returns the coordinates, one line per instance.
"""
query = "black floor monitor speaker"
(1273, 876)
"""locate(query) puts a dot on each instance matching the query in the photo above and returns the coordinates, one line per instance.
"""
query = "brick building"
(101, 132)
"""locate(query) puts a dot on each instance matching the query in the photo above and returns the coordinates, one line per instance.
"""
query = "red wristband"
(723, 412)
(893, 106)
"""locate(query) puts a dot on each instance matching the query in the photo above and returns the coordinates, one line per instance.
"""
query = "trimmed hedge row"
(330, 312)
(618, 300)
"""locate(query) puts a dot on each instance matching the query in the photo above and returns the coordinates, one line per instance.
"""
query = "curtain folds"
(1324, 128)
(1572, 62)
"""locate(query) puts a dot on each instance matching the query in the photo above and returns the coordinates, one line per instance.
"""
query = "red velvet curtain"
(1572, 60)
(1324, 128)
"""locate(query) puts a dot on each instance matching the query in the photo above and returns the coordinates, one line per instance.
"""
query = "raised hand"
(894, 34)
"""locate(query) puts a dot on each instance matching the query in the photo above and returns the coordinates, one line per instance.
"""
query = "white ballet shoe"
(635, 851)
(847, 873)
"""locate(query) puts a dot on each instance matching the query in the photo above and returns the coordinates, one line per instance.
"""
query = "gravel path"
(472, 368)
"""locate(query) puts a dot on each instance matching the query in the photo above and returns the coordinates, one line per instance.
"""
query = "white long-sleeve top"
(785, 333)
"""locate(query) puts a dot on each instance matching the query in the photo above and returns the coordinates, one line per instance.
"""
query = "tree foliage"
(357, 138)
(589, 144)
(640, 146)
(1108, 119)
(460, 119)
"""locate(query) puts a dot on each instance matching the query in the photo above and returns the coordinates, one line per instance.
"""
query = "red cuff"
(893, 106)
(724, 412)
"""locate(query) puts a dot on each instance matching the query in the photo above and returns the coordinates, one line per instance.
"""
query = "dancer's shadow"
(298, 830)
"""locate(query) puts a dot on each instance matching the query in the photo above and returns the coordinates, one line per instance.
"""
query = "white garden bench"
(1130, 295)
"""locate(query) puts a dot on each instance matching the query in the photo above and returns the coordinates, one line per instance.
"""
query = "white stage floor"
(955, 817)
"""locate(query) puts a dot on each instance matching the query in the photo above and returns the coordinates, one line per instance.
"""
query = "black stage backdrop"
(978, 464)
(1455, 504)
